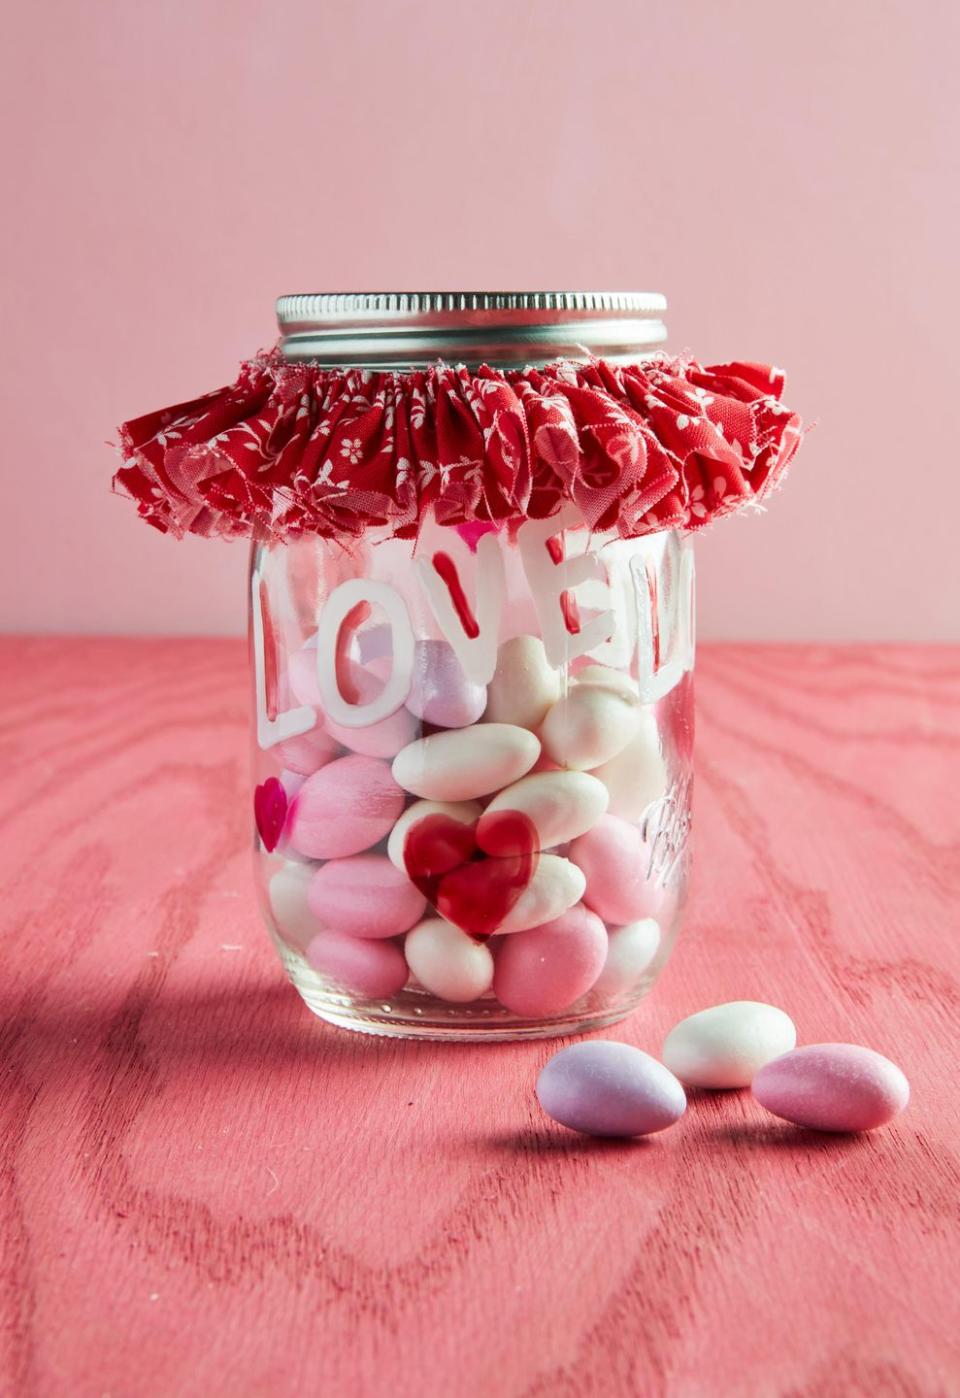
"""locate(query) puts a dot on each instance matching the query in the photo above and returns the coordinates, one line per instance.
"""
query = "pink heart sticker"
(270, 811)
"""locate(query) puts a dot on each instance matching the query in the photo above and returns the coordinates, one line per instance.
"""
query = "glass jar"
(472, 747)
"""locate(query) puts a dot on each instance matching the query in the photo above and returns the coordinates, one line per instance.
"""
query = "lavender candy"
(441, 692)
(608, 1089)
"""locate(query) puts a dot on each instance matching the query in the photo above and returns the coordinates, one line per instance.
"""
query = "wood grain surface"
(206, 1191)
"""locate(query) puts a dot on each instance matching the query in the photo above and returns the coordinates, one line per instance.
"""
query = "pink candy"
(615, 858)
(382, 739)
(832, 1087)
(346, 807)
(308, 752)
(544, 970)
(365, 896)
(302, 676)
(371, 968)
(389, 735)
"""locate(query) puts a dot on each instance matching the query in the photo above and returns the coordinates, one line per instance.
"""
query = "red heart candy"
(270, 811)
(467, 887)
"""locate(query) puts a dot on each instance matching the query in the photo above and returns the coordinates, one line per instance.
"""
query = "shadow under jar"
(473, 744)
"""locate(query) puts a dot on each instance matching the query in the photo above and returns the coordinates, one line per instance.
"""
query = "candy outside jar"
(471, 603)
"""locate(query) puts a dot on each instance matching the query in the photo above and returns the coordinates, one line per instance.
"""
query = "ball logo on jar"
(628, 604)
(666, 831)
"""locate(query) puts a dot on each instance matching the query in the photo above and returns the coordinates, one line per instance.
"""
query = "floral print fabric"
(293, 449)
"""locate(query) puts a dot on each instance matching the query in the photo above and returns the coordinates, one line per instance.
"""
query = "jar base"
(414, 1014)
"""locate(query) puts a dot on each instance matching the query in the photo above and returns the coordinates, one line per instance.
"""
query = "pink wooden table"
(205, 1191)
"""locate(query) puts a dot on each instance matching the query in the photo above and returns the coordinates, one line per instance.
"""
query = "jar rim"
(409, 329)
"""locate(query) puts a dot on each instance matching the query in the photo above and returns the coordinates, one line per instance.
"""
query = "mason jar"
(472, 737)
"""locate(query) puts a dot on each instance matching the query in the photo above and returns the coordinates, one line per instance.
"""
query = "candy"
(637, 776)
(615, 858)
(291, 783)
(555, 886)
(384, 738)
(546, 764)
(630, 951)
(613, 679)
(441, 693)
(308, 752)
(727, 1045)
(365, 896)
(589, 726)
(466, 762)
(833, 1087)
(447, 962)
(381, 739)
(524, 685)
(545, 969)
(463, 812)
(561, 805)
(346, 807)
(287, 896)
(374, 642)
(302, 674)
(609, 1089)
(361, 967)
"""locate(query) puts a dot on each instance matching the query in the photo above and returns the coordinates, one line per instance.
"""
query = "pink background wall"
(785, 173)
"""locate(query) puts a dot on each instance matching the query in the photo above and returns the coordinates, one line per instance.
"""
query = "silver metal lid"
(407, 329)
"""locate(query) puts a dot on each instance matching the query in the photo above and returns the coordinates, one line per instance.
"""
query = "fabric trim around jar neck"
(294, 449)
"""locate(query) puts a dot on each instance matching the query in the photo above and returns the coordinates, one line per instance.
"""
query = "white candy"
(630, 951)
(287, 895)
(466, 762)
(524, 685)
(464, 811)
(727, 1045)
(637, 776)
(612, 679)
(555, 886)
(447, 962)
(589, 726)
(560, 805)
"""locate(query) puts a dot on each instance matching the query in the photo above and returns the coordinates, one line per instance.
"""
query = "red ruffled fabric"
(292, 449)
